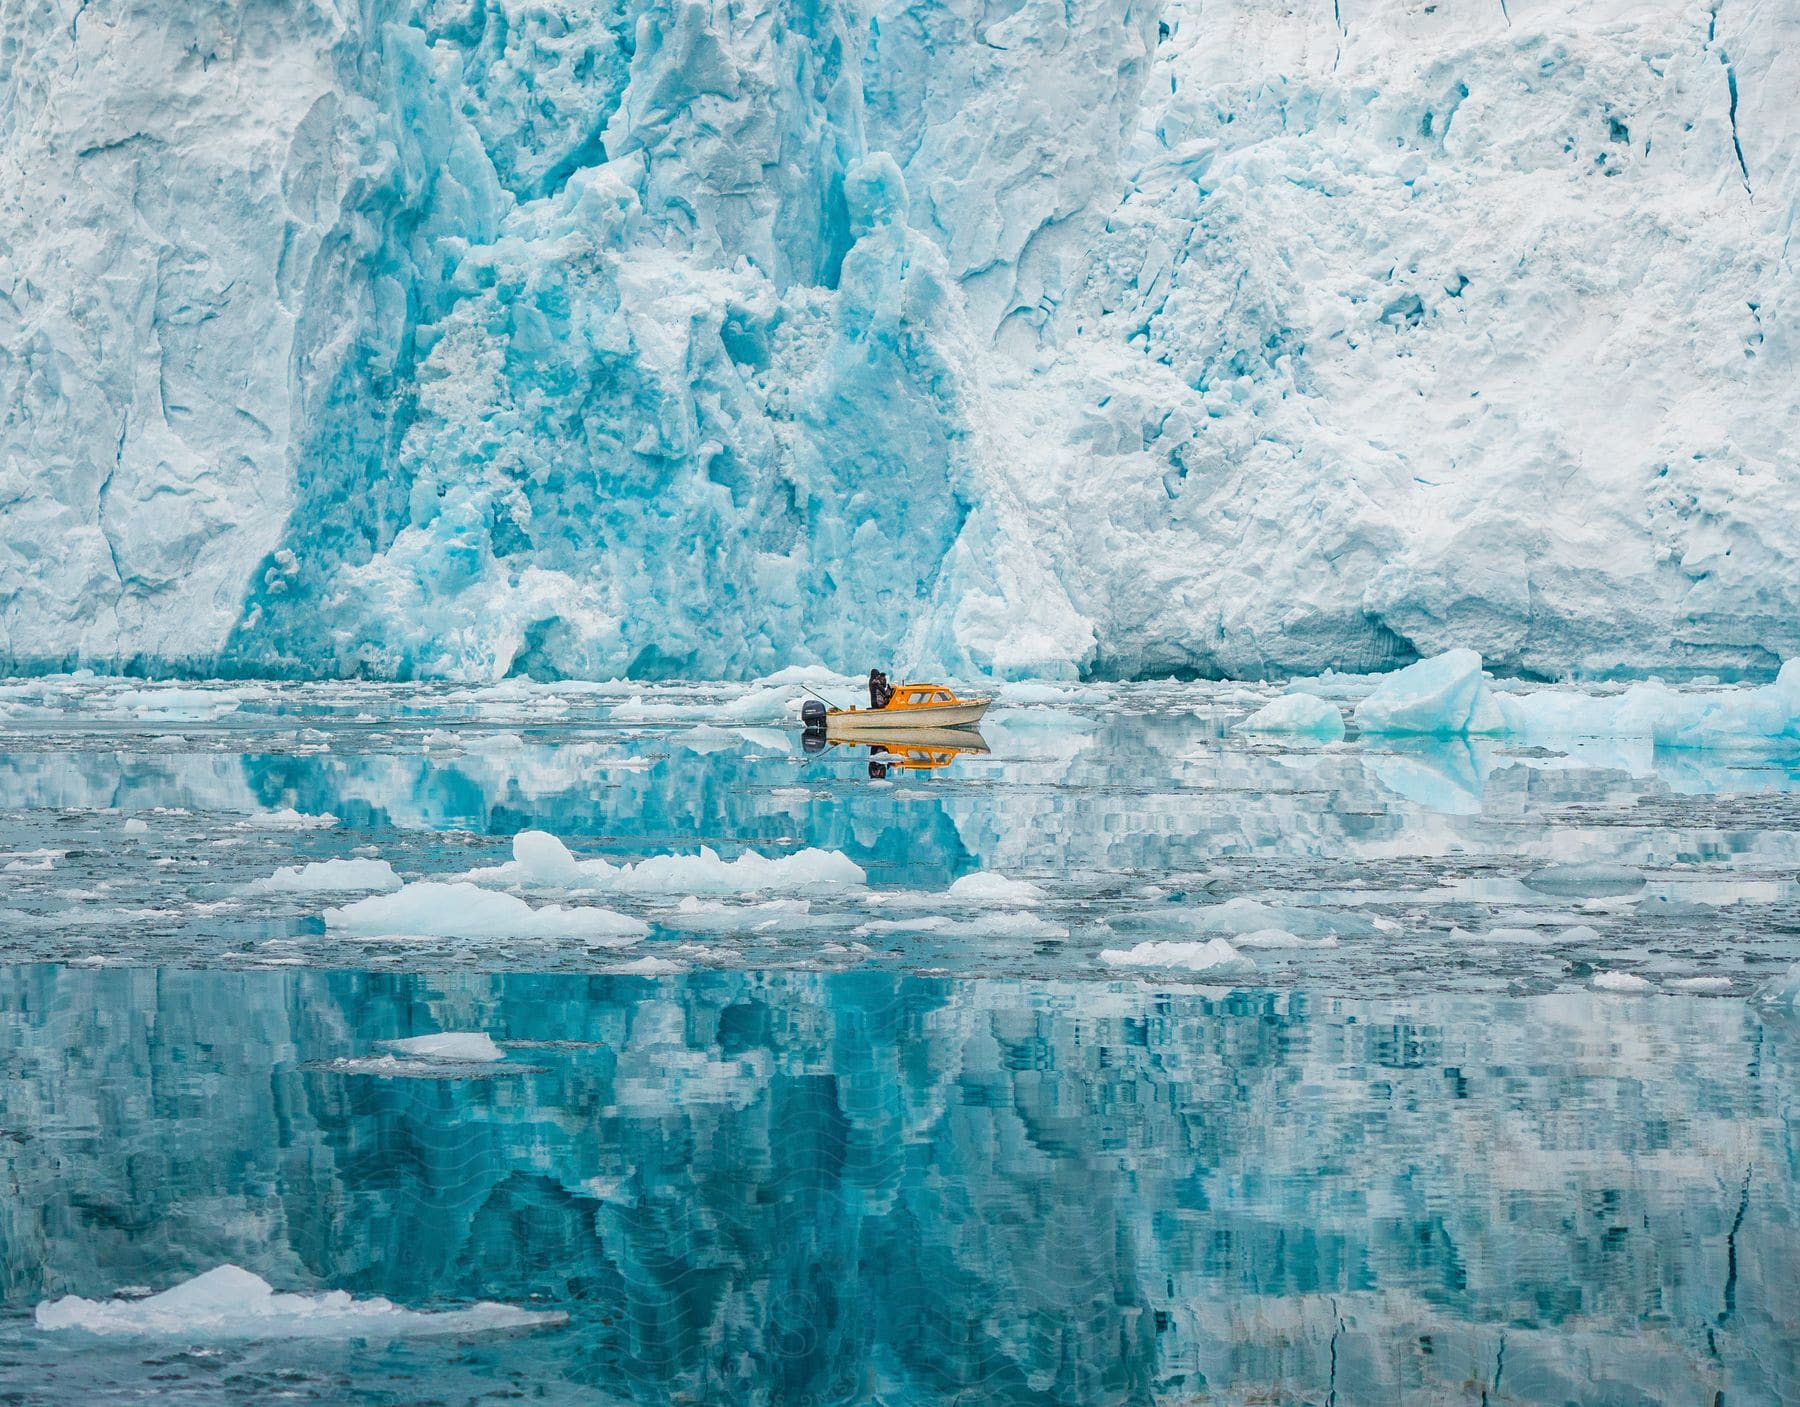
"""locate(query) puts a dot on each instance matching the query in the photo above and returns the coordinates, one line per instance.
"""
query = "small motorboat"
(911, 707)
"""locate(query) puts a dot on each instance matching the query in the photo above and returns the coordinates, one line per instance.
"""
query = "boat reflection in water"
(905, 750)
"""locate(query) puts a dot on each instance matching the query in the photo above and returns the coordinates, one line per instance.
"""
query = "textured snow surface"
(231, 1303)
(423, 338)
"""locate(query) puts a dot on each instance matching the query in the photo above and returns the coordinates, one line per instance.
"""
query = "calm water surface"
(829, 1157)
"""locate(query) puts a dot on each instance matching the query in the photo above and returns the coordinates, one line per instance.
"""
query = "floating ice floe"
(1543, 937)
(650, 966)
(332, 876)
(474, 1046)
(1444, 696)
(696, 915)
(1589, 879)
(1782, 991)
(541, 860)
(983, 887)
(1242, 915)
(1700, 984)
(230, 1303)
(174, 705)
(1215, 956)
(1448, 695)
(287, 819)
(1303, 715)
(1027, 693)
(1721, 718)
(981, 924)
(1621, 982)
(1281, 938)
(433, 909)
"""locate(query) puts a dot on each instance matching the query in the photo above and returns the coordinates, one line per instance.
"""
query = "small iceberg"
(985, 888)
(1756, 715)
(1628, 982)
(1589, 880)
(468, 1046)
(1243, 915)
(1445, 696)
(1303, 715)
(1281, 938)
(230, 1303)
(287, 819)
(332, 876)
(541, 860)
(431, 909)
(1782, 991)
(1214, 956)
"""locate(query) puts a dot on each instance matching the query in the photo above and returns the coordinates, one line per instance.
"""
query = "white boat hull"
(872, 722)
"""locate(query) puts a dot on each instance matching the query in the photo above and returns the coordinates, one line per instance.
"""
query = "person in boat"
(879, 689)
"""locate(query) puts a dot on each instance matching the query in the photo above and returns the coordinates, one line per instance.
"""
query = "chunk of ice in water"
(431, 909)
(1578, 933)
(1243, 915)
(542, 860)
(985, 888)
(1700, 984)
(1281, 938)
(332, 876)
(1621, 982)
(1444, 696)
(471, 1046)
(1594, 879)
(1782, 991)
(1304, 715)
(650, 966)
(288, 819)
(1215, 956)
(230, 1303)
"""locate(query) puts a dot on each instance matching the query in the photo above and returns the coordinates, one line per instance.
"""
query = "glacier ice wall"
(475, 337)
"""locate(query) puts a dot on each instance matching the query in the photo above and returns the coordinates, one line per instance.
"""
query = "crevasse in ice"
(482, 337)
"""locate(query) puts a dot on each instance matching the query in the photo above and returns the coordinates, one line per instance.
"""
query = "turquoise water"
(803, 1188)
(870, 1145)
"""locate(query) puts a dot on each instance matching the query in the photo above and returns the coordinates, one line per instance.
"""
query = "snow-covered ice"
(228, 1303)
(435, 909)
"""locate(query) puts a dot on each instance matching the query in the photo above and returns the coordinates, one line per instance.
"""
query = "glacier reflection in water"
(858, 1187)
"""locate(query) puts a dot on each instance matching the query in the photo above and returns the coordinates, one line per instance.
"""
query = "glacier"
(482, 338)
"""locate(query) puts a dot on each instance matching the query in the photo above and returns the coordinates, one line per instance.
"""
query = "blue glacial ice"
(475, 338)
(1446, 696)
(1301, 714)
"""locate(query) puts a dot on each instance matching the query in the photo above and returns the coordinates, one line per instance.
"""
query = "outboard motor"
(812, 716)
